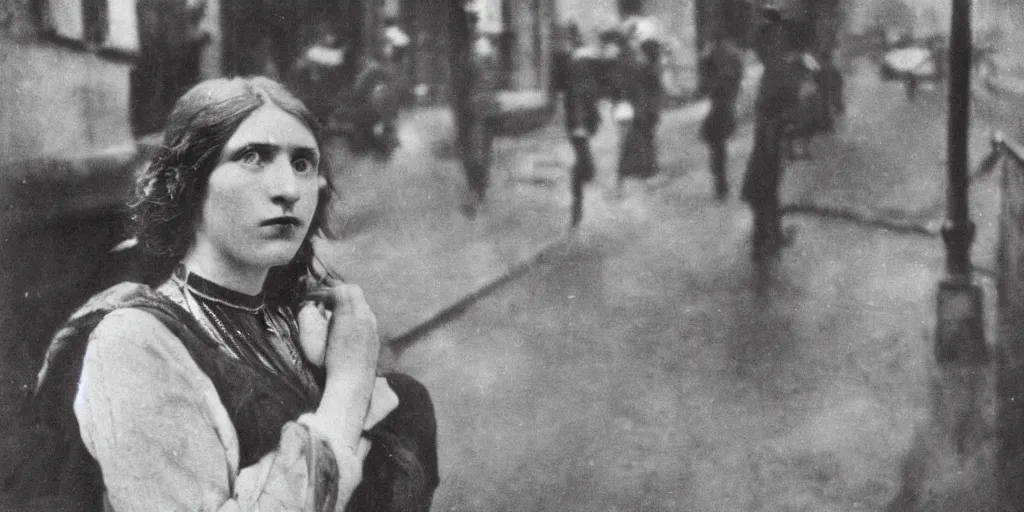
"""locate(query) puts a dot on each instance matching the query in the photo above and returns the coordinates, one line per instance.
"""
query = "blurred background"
(86, 86)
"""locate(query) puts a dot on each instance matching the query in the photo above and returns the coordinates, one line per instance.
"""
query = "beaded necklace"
(249, 329)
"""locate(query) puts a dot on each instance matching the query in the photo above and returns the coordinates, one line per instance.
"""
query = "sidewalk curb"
(515, 270)
(1005, 87)
(877, 222)
(399, 342)
(863, 217)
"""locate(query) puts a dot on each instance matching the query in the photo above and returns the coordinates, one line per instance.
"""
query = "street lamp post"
(960, 333)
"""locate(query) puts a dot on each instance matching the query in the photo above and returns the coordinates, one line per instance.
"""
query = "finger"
(356, 298)
(330, 281)
(303, 317)
(341, 299)
(360, 308)
(325, 296)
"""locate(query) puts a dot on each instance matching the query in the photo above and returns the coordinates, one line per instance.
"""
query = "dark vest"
(54, 467)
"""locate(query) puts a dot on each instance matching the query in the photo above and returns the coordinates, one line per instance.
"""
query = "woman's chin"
(274, 254)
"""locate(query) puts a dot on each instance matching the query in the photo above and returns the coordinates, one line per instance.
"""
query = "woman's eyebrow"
(264, 148)
(306, 152)
(261, 148)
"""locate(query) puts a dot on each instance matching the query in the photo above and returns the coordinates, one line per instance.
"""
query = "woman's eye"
(250, 158)
(303, 165)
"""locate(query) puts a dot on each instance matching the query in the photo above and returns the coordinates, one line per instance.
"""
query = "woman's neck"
(229, 274)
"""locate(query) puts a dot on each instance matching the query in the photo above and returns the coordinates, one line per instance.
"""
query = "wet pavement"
(647, 364)
(886, 163)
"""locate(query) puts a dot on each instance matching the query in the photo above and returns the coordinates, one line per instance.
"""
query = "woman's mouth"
(285, 220)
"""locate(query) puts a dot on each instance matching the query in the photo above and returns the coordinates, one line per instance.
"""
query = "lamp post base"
(960, 331)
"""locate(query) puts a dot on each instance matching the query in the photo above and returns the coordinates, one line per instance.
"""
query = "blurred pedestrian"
(578, 82)
(395, 41)
(809, 116)
(777, 95)
(246, 379)
(722, 68)
(474, 86)
(172, 40)
(566, 43)
(832, 83)
(318, 74)
(637, 92)
(395, 48)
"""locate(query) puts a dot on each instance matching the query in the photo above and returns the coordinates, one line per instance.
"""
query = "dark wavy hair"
(170, 190)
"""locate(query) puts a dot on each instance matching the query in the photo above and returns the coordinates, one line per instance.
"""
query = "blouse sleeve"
(164, 441)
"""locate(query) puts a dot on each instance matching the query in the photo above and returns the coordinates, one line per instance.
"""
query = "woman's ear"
(321, 181)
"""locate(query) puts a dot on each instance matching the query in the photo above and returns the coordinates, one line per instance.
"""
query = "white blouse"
(164, 441)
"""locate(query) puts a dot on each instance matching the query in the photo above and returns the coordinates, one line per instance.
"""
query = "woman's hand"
(351, 337)
(350, 357)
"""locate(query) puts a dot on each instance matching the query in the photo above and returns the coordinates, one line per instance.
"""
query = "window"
(121, 22)
(64, 19)
(102, 25)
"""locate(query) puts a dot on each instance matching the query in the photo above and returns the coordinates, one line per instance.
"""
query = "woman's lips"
(282, 221)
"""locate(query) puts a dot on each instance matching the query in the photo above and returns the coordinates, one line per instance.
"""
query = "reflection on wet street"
(639, 369)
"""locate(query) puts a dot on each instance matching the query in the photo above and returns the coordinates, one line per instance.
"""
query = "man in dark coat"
(722, 69)
(777, 96)
(578, 81)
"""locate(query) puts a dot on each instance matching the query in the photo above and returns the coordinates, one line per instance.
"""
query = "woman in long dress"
(637, 90)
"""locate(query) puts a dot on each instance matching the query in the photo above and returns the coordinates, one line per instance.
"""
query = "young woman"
(242, 381)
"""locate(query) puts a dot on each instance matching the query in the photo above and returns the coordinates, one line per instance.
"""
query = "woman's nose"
(283, 183)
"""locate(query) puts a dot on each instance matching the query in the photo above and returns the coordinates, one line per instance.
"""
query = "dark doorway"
(170, 47)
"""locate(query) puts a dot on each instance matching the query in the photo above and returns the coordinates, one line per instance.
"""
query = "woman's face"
(262, 195)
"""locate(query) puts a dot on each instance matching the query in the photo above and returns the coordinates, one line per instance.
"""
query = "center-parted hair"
(170, 191)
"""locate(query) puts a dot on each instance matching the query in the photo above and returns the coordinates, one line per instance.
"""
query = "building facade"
(521, 33)
(64, 78)
(66, 153)
(64, 86)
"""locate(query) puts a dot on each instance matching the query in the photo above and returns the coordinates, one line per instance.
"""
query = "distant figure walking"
(474, 82)
(777, 96)
(722, 67)
(577, 79)
(831, 82)
(637, 91)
